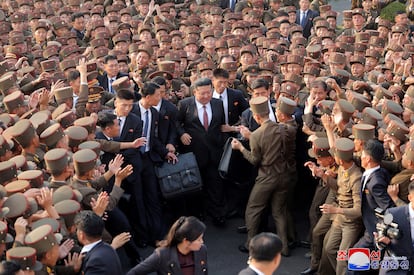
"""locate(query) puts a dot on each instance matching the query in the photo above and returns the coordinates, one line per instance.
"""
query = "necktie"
(145, 131)
(205, 118)
(363, 184)
(221, 98)
(232, 2)
(302, 18)
(111, 90)
(120, 125)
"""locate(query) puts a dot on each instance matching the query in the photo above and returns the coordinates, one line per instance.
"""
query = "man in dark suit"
(153, 153)
(100, 258)
(199, 123)
(403, 246)
(305, 16)
(111, 74)
(265, 254)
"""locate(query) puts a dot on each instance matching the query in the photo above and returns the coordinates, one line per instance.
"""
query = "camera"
(385, 226)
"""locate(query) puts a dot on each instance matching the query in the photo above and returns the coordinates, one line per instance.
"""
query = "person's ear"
(277, 259)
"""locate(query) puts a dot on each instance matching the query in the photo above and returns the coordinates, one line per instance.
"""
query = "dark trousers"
(214, 199)
(315, 213)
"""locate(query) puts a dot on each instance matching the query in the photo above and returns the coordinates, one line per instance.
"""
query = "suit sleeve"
(243, 104)
(380, 195)
(95, 267)
(150, 264)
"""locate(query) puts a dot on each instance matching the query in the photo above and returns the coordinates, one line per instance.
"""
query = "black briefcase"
(180, 179)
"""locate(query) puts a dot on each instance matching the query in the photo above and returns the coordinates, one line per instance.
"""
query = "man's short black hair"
(76, 15)
(374, 149)
(320, 84)
(285, 21)
(159, 80)
(90, 223)
(125, 94)
(105, 119)
(265, 246)
(109, 58)
(204, 81)
(219, 72)
(149, 88)
(73, 75)
(259, 83)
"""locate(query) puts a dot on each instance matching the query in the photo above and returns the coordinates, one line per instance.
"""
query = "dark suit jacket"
(247, 271)
(103, 80)
(167, 128)
(402, 246)
(236, 105)
(309, 21)
(164, 261)
(102, 259)
(206, 145)
(157, 150)
(375, 195)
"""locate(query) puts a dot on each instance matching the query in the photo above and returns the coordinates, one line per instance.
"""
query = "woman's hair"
(189, 228)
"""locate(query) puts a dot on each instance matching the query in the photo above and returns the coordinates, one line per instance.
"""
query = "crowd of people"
(96, 95)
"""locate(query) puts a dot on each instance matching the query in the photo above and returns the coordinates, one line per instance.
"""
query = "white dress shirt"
(272, 116)
(148, 137)
(411, 213)
(200, 111)
(225, 100)
(110, 89)
(121, 120)
(256, 270)
(366, 175)
(89, 247)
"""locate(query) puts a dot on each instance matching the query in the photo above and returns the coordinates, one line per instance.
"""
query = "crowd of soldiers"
(96, 94)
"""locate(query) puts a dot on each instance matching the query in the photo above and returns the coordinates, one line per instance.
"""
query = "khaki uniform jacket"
(403, 180)
(349, 194)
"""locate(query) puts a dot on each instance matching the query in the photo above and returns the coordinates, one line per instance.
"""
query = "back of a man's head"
(90, 224)
(264, 247)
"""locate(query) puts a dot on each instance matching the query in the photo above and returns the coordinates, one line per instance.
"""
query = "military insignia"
(236, 103)
(131, 130)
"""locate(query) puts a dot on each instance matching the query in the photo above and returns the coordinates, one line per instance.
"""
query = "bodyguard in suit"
(305, 16)
(111, 74)
(199, 123)
(264, 254)
(233, 101)
(100, 258)
(153, 153)
(403, 246)
(374, 194)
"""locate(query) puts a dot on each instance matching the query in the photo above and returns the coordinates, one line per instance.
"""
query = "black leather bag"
(180, 179)
(224, 164)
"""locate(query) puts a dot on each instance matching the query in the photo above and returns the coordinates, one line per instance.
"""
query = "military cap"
(17, 17)
(95, 94)
(290, 77)
(66, 192)
(14, 100)
(392, 107)
(290, 9)
(49, 65)
(8, 171)
(146, 48)
(52, 135)
(314, 51)
(331, 14)
(63, 94)
(49, 221)
(290, 89)
(205, 65)
(41, 25)
(165, 69)
(344, 149)
(67, 64)
(42, 239)
(345, 107)
(23, 132)
(409, 48)
(25, 257)
(20, 162)
(398, 28)
(248, 49)
(390, 117)
(357, 59)
(18, 205)
(62, 108)
(286, 105)
(373, 53)
(320, 148)
(357, 11)
(67, 209)
(363, 131)
(235, 42)
(66, 119)
(4, 146)
(397, 130)
(299, 40)
(29, 113)
(76, 134)
(7, 81)
(17, 186)
(259, 105)
(97, 42)
(56, 160)
(100, 52)
(409, 150)
(384, 23)
(84, 160)
(26, 79)
(91, 144)
(34, 177)
(377, 41)
(252, 70)
(121, 37)
(121, 83)
(266, 66)
(321, 24)
(173, 56)
(40, 121)
(16, 39)
(311, 70)
(230, 66)
(60, 24)
(294, 59)
(358, 101)
(326, 106)
(360, 47)
(337, 58)
(395, 47)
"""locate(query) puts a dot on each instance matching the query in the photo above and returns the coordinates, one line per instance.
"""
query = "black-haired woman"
(182, 252)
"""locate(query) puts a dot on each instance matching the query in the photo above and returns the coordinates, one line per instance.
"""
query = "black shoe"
(309, 271)
(242, 229)
(305, 244)
(219, 221)
(285, 253)
(232, 214)
(293, 244)
(243, 248)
